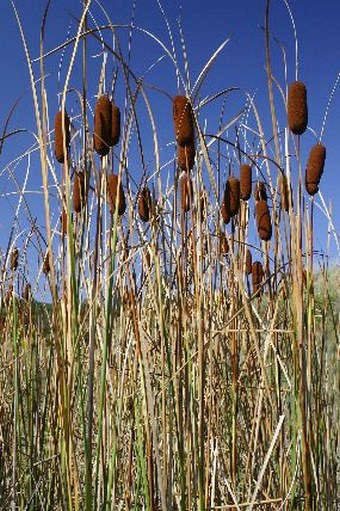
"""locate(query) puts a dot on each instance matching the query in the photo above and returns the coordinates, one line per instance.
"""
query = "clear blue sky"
(205, 24)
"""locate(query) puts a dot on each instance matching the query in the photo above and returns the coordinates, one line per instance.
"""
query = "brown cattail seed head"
(102, 135)
(249, 261)
(260, 192)
(112, 187)
(144, 204)
(59, 133)
(46, 264)
(186, 156)
(232, 196)
(257, 276)
(285, 192)
(263, 220)
(314, 169)
(115, 130)
(27, 292)
(245, 182)
(297, 110)
(186, 193)
(14, 259)
(183, 120)
(78, 191)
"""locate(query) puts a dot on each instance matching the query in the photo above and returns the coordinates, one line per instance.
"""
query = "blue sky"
(205, 25)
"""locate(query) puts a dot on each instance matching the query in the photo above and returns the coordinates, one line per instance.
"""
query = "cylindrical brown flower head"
(285, 193)
(260, 192)
(249, 262)
(297, 110)
(102, 135)
(186, 156)
(78, 191)
(245, 182)
(59, 133)
(112, 187)
(257, 276)
(186, 193)
(27, 292)
(115, 131)
(63, 221)
(14, 259)
(46, 264)
(183, 120)
(231, 199)
(314, 169)
(144, 204)
(263, 220)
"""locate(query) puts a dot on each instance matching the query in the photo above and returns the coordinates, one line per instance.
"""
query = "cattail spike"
(263, 220)
(297, 110)
(58, 135)
(27, 292)
(78, 191)
(102, 135)
(249, 262)
(183, 120)
(112, 187)
(260, 192)
(186, 156)
(245, 181)
(144, 204)
(115, 130)
(257, 276)
(314, 169)
(14, 259)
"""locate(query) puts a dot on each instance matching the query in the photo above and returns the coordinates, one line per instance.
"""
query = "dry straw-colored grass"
(315, 168)
(263, 220)
(186, 193)
(102, 134)
(297, 109)
(111, 190)
(245, 182)
(183, 120)
(59, 135)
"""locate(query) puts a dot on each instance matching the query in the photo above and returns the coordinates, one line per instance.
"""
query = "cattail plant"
(112, 188)
(144, 204)
(27, 292)
(46, 264)
(297, 110)
(260, 192)
(263, 220)
(285, 192)
(186, 156)
(59, 134)
(183, 120)
(231, 199)
(245, 182)
(102, 136)
(257, 276)
(314, 169)
(78, 192)
(14, 259)
(249, 262)
(186, 193)
(224, 245)
(115, 125)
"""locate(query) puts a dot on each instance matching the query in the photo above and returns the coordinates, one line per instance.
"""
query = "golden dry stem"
(263, 220)
(112, 186)
(297, 109)
(102, 135)
(144, 204)
(186, 156)
(245, 182)
(186, 193)
(78, 198)
(314, 169)
(115, 130)
(183, 120)
(58, 135)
